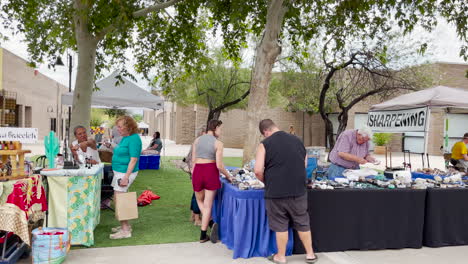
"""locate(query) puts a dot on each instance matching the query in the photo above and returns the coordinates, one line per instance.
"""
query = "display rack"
(17, 155)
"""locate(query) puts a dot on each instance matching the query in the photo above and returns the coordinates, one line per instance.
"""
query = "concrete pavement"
(209, 253)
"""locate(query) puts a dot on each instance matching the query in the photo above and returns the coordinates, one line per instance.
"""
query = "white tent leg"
(164, 132)
(426, 134)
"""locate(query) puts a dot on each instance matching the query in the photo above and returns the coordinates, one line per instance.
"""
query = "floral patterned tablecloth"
(21, 201)
(74, 203)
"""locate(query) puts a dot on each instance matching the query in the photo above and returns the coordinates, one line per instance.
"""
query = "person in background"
(207, 157)
(459, 153)
(155, 145)
(125, 166)
(351, 149)
(84, 147)
(291, 130)
(281, 163)
(195, 210)
(115, 136)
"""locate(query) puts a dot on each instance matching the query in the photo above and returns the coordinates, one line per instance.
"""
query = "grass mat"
(164, 221)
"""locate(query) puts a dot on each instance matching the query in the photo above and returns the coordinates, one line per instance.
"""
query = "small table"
(16, 173)
(243, 223)
(446, 217)
(74, 201)
(365, 219)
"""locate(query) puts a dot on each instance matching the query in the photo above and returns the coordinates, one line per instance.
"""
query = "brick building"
(179, 123)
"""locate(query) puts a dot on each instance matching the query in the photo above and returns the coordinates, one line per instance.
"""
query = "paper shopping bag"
(126, 206)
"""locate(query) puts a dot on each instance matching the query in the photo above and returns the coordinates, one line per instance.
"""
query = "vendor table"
(21, 201)
(74, 201)
(446, 221)
(347, 219)
(243, 224)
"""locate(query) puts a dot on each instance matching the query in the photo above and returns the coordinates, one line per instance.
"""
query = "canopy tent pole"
(426, 135)
(164, 130)
(446, 137)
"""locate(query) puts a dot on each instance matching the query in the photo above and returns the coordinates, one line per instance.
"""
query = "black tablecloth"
(347, 219)
(446, 220)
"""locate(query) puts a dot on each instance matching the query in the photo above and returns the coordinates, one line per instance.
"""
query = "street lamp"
(59, 62)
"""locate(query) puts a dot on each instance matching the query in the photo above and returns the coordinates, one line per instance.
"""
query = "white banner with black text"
(398, 121)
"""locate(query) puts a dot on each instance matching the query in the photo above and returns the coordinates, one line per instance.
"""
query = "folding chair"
(107, 191)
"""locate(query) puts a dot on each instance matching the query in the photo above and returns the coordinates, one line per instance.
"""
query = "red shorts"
(205, 177)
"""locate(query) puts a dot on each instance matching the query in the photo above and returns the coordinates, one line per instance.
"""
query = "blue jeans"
(335, 171)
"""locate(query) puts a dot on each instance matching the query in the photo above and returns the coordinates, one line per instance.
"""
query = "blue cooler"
(149, 162)
(143, 162)
(153, 162)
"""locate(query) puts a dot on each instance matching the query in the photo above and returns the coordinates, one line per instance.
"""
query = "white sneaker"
(118, 228)
(121, 234)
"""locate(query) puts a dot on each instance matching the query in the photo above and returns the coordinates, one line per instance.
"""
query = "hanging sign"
(21, 134)
(398, 121)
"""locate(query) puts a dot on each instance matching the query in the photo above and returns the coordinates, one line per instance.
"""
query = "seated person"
(459, 153)
(155, 145)
(351, 149)
(84, 146)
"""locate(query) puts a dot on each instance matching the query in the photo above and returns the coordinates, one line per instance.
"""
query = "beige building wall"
(38, 96)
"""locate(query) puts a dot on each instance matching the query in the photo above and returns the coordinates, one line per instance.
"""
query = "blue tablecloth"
(428, 176)
(243, 224)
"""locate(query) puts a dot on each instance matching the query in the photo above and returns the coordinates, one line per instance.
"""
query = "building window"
(53, 124)
(28, 116)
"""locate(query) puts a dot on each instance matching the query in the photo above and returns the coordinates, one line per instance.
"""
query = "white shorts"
(120, 175)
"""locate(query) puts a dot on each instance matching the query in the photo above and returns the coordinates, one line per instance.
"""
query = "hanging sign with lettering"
(398, 121)
(21, 134)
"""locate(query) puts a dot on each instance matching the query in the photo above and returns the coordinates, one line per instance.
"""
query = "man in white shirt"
(84, 147)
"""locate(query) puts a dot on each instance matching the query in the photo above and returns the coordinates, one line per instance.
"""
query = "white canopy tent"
(411, 112)
(437, 97)
(124, 95)
(142, 125)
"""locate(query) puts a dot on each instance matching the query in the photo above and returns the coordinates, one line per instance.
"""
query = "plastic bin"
(311, 166)
(149, 162)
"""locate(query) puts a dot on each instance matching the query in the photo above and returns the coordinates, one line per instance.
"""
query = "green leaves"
(214, 86)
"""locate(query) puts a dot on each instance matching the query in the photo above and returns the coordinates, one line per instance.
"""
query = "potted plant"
(381, 140)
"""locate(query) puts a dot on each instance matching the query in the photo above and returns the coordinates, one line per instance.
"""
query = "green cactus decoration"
(52, 147)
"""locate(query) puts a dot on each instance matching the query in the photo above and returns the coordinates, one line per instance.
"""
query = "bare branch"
(145, 11)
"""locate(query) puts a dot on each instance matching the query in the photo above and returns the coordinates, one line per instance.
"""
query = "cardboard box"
(126, 206)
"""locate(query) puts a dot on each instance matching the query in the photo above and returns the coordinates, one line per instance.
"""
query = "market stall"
(243, 224)
(445, 215)
(74, 201)
(412, 112)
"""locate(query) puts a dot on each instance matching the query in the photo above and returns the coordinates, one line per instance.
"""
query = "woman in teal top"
(125, 166)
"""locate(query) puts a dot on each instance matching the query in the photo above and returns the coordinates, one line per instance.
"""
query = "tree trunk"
(213, 115)
(84, 84)
(343, 121)
(87, 46)
(265, 56)
(329, 133)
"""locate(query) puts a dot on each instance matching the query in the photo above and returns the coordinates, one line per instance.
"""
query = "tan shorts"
(120, 175)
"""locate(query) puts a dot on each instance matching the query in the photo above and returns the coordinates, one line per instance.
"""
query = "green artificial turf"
(164, 221)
